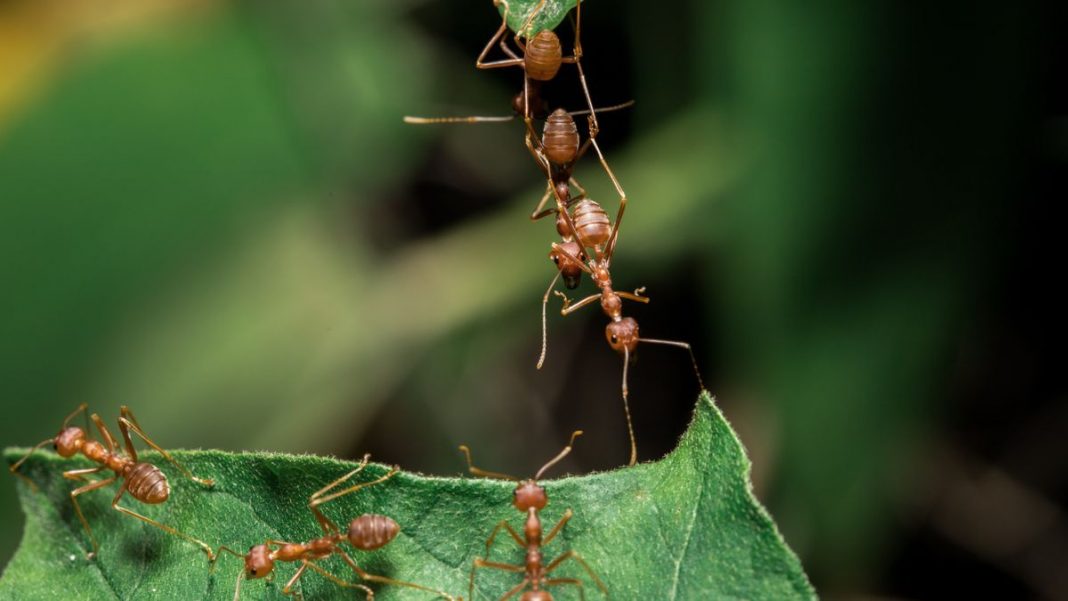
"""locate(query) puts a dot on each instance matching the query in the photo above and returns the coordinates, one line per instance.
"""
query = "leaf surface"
(684, 527)
(547, 14)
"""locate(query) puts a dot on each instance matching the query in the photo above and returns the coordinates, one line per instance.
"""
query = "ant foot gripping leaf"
(684, 527)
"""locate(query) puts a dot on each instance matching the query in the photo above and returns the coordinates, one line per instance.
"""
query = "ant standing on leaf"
(530, 498)
(366, 533)
(144, 481)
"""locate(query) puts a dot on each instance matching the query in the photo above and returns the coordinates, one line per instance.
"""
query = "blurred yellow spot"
(38, 36)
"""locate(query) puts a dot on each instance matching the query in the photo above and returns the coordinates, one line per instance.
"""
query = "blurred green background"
(211, 211)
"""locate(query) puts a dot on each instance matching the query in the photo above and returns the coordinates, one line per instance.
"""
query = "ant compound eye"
(615, 339)
(556, 259)
(252, 571)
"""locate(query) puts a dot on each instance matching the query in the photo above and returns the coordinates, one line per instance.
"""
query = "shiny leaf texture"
(684, 527)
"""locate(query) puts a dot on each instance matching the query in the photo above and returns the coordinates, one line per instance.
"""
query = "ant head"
(623, 334)
(569, 270)
(529, 494)
(543, 56)
(258, 562)
(536, 596)
(68, 442)
(563, 192)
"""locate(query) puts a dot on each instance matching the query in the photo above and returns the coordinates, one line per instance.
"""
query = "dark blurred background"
(211, 211)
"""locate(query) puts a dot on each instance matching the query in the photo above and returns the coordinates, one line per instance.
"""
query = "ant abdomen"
(372, 531)
(536, 596)
(560, 139)
(147, 483)
(591, 223)
(543, 56)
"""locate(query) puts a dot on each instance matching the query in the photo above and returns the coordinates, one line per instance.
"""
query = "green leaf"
(517, 13)
(684, 527)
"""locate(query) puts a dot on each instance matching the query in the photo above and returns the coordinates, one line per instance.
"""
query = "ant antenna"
(481, 472)
(505, 118)
(604, 109)
(472, 119)
(544, 327)
(562, 454)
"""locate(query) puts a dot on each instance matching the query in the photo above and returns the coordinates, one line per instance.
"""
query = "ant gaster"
(366, 533)
(142, 480)
(530, 498)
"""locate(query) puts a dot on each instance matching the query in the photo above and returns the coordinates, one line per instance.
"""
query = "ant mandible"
(530, 498)
(144, 481)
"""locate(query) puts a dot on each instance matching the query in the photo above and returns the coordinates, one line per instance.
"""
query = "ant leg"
(482, 563)
(635, 296)
(684, 345)
(604, 163)
(593, 127)
(626, 409)
(515, 589)
(544, 324)
(511, 62)
(479, 471)
(109, 440)
(115, 505)
(342, 583)
(14, 467)
(128, 423)
(327, 525)
(320, 500)
(80, 475)
(573, 581)
(506, 526)
(288, 588)
(81, 409)
(568, 308)
(505, 49)
(74, 494)
(581, 191)
(611, 248)
(575, 556)
(386, 580)
(558, 527)
(540, 211)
